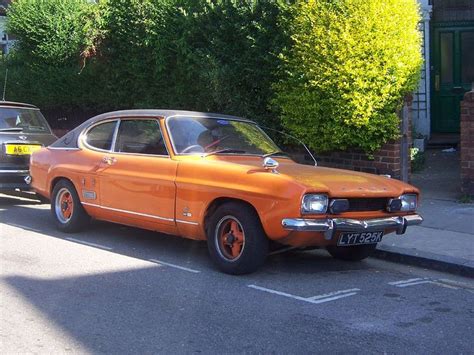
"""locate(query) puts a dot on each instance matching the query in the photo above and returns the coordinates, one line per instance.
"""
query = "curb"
(459, 266)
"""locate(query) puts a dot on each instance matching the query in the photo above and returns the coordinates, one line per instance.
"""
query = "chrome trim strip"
(14, 171)
(114, 137)
(62, 148)
(83, 134)
(187, 222)
(129, 212)
(330, 225)
(22, 107)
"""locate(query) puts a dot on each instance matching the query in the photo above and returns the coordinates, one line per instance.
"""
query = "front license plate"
(360, 238)
(21, 149)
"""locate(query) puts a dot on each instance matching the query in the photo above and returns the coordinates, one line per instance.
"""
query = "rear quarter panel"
(49, 164)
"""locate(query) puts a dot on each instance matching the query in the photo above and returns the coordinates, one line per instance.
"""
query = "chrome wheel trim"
(58, 208)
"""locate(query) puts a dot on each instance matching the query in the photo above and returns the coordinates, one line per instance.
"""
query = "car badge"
(23, 138)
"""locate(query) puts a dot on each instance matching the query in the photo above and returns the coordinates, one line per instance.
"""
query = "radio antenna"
(5, 84)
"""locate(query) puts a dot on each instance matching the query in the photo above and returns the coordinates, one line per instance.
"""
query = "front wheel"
(67, 210)
(236, 241)
(353, 253)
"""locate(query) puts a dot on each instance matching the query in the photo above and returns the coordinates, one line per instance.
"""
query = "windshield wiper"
(226, 150)
(278, 152)
(12, 129)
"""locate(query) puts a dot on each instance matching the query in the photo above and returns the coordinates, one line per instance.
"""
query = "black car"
(23, 129)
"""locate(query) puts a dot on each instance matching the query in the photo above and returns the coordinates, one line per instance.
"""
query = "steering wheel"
(191, 147)
(215, 142)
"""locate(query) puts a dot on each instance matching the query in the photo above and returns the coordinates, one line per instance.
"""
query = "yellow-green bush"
(350, 65)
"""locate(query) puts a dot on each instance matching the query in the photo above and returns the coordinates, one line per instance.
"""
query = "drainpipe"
(404, 160)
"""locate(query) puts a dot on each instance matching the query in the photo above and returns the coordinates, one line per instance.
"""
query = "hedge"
(326, 70)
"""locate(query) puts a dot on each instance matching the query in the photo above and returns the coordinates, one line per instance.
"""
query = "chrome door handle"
(109, 160)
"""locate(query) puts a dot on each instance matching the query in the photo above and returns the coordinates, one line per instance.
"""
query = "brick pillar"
(467, 144)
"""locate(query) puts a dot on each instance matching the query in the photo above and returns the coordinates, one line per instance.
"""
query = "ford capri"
(216, 178)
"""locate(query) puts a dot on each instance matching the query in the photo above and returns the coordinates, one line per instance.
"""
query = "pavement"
(445, 240)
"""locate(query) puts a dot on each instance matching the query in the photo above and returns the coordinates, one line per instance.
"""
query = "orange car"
(216, 178)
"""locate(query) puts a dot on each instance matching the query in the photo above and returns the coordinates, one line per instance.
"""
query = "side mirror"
(270, 164)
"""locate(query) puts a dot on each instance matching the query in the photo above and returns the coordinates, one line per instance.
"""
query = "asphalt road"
(114, 289)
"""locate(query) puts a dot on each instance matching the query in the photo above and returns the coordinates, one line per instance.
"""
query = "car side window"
(140, 137)
(101, 136)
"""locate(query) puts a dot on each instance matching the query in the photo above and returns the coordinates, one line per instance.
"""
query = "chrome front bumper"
(330, 225)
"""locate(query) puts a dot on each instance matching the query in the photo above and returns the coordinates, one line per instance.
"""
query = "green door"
(452, 73)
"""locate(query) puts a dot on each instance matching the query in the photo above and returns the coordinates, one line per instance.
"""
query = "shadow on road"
(144, 244)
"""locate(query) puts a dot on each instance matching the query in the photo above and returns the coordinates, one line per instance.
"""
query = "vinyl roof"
(16, 104)
(163, 113)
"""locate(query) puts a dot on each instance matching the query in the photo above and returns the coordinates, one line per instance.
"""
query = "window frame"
(139, 154)
(83, 136)
(173, 147)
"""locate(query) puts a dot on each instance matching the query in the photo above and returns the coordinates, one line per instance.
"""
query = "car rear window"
(25, 120)
(101, 136)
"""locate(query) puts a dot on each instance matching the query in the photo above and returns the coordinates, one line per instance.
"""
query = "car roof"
(163, 113)
(70, 139)
(16, 104)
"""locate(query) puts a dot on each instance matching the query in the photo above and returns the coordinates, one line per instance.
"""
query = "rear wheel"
(236, 241)
(67, 210)
(353, 253)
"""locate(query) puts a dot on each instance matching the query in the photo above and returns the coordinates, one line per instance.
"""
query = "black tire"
(236, 240)
(353, 253)
(67, 210)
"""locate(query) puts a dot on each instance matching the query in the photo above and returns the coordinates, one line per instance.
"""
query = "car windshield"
(200, 135)
(14, 119)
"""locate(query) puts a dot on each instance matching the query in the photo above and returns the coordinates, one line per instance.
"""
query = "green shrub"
(350, 64)
(417, 159)
(55, 31)
(55, 39)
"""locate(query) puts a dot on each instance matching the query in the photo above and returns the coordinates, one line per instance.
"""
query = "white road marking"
(415, 283)
(334, 293)
(419, 281)
(404, 281)
(89, 244)
(332, 296)
(438, 283)
(175, 266)
(24, 227)
(457, 284)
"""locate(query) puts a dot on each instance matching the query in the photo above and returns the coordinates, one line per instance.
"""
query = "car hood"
(344, 183)
(335, 182)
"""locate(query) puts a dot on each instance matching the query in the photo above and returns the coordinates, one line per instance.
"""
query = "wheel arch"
(56, 180)
(219, 201)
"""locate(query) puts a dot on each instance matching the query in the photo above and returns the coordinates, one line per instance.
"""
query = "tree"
(347, 71)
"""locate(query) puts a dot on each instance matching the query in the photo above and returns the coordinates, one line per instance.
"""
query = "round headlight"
(314, 203)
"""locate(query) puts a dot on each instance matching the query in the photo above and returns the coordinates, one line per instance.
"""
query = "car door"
(138, 176)
(97, 141)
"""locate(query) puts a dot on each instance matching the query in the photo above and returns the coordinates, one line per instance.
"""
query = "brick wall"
(467, 144)
(387, 160)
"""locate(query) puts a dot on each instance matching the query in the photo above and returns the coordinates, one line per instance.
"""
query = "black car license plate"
(360, 238)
